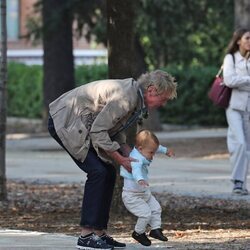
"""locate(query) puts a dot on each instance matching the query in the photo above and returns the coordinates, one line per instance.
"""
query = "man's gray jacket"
(93, 112)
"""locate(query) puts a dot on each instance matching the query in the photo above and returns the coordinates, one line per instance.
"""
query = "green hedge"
(192, 107)
(24, 87)
(89, 73)
(24, 90)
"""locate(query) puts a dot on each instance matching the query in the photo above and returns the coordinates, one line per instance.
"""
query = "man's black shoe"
(91, 242)
(110, 241)
(141, 238)
(157, 234)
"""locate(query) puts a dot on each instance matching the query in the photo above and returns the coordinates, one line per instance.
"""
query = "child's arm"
(137, 173)
(167, 151)
(143, 183)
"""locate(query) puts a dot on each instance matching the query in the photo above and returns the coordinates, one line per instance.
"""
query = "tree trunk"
(3, 82)
(122, 62)
(153, 122)
(241, 13)
(58, 50)
(121, 56)
(120, 59)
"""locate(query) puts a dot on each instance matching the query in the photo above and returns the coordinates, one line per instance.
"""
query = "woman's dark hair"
(233, 45)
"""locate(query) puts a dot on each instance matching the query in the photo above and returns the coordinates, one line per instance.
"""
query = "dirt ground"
(189, 222)
(199, 147)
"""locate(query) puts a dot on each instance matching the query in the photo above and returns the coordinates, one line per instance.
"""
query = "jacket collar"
(239, 57)
(143, 108)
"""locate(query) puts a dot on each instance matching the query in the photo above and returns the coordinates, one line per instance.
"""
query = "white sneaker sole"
(240, 192)
(92, 248)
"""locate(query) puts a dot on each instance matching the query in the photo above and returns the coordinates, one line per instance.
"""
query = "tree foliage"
(187, 32)
(89, 19)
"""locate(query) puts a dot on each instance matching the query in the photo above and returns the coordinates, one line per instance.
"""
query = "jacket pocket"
(76, 139)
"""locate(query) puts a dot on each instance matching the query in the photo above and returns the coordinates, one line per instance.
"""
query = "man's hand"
(125, 150)
(121, 160)
(143, 183)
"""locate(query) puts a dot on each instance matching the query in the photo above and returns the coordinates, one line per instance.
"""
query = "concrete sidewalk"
(24, 240)
(40, 159)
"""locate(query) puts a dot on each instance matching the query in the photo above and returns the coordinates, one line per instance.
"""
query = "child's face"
(148, 151)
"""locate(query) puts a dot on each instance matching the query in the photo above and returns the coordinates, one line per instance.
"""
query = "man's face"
(154, 99)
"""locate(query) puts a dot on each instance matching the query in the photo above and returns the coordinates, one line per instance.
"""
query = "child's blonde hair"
(144, 136)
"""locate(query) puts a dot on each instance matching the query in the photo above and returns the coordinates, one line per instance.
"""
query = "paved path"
(24, 240)
(39, 159)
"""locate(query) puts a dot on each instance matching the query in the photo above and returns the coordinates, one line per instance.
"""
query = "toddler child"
(136, 194)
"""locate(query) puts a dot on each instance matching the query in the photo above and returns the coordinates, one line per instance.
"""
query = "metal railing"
(35, 56)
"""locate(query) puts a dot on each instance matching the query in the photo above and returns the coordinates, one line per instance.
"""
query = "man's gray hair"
(161, 80)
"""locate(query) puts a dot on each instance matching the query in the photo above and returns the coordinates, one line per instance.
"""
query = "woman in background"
(236, 73)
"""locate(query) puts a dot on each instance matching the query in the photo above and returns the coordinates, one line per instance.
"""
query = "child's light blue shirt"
(140, 168)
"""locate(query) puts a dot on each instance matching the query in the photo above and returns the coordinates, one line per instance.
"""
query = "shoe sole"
(160, 239)
(142, 243)
(242, 194)
(239, 192)
(93, 248)
(157, 238)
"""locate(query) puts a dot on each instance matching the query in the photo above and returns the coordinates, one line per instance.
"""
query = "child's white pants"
(145, 207)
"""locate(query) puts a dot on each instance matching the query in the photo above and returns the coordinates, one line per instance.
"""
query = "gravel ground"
(189, 222)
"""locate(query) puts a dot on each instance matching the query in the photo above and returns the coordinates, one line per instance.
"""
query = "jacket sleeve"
(120, 138)
(109, 116)
(231, 78)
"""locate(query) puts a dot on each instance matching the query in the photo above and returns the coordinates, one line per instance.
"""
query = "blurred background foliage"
(192, 107)
(186, 33)
(188, 38)
(24, 90)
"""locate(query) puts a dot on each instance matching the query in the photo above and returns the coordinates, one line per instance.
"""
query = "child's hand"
(143, 183)
(170, 152)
